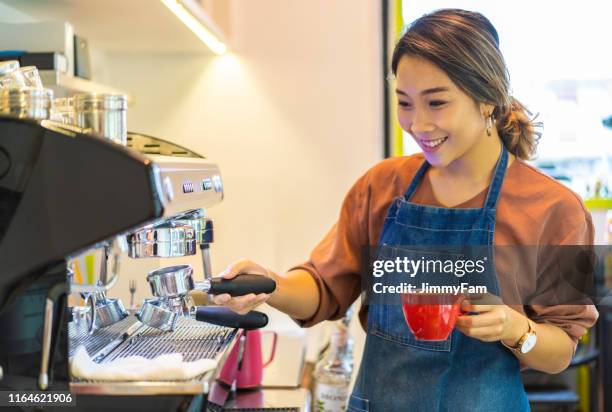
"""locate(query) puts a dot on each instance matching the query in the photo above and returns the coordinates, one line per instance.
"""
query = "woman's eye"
(437, 103)
(405, 105)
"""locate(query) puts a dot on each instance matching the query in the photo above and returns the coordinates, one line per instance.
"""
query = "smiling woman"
(470, 187)
(474, 69)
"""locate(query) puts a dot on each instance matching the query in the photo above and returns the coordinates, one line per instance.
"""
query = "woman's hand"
(492, 323)
(246, 303)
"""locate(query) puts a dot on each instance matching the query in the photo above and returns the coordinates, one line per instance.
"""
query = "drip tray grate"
(79, 335)
(194, 339)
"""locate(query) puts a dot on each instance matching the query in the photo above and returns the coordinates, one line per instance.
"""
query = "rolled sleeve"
(574, 319)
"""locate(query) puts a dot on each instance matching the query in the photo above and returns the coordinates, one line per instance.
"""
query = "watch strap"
(522, 339)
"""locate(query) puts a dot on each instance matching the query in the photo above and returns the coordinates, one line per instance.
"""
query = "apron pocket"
(357, 404)
(388, 322)
(387, 317)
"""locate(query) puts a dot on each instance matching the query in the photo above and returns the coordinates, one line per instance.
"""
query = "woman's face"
(440, 117)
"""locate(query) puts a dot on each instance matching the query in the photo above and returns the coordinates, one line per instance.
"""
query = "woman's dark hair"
(465, 45)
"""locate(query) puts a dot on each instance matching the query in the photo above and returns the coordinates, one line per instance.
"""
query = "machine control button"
(217, 183)
(188, 187)
(206, 184)
(168, 188)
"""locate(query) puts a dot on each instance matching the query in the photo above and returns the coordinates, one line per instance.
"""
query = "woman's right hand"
(246, 303)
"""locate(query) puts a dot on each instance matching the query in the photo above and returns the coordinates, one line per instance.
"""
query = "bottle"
(333, 372)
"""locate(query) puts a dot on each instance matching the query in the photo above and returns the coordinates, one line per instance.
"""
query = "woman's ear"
(486, 110)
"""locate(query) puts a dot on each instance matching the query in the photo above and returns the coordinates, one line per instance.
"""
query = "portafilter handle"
(221, 316)
(239, 286)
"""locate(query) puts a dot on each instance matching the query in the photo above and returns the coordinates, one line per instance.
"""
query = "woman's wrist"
(518, 327)
(275, 296)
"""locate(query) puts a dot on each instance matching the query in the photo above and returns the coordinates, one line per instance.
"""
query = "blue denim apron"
(400, 373)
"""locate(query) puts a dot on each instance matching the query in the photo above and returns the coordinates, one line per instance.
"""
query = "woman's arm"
(551, 354)
(553, 351)
(296, 294)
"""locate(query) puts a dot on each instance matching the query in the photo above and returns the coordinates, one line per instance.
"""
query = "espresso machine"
(141, 197)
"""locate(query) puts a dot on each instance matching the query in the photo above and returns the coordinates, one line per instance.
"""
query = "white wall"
(293, 117)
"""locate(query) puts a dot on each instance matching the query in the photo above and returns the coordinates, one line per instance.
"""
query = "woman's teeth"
(434, 143)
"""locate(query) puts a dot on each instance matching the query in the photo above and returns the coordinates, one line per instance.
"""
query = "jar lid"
(100, 101)
(8, 67)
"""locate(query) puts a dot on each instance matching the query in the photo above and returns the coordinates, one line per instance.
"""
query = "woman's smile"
(432, 145)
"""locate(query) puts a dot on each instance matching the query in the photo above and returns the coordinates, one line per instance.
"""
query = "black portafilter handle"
(242, 285)
(221, 316)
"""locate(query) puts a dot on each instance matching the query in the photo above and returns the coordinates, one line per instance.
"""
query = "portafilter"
(171, 285)
(157, 314)
(177, 281)
(102, 311)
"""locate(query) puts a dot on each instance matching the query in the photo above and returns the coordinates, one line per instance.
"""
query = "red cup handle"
(273, 346)
(461, 311)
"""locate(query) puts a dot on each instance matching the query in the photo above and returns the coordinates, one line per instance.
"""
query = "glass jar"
(104, 113)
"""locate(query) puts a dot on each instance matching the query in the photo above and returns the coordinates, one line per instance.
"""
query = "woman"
(453, 99)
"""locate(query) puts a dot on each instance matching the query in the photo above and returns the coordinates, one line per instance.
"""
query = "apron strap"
(494, 188)
(498, 180)
(416, 180)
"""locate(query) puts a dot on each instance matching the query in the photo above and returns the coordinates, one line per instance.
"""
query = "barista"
(453, 99)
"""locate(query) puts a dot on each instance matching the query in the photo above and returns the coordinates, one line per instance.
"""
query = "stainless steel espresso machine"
(146, 199)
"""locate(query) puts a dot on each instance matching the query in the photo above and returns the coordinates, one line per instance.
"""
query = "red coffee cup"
(431, 316)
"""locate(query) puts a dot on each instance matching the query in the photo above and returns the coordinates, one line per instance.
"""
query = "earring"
(489, 124)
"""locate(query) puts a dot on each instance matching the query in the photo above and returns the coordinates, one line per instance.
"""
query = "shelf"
(64, 85)
(133, 26)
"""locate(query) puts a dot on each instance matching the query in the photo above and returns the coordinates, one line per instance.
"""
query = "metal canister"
(104, 113)
(26, 103)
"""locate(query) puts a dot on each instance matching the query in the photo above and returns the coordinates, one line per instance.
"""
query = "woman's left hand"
(492, 323)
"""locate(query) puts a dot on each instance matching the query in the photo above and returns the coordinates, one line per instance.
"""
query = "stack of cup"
(21, 92)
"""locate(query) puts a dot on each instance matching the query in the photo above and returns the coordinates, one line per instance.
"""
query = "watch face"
(529, 343)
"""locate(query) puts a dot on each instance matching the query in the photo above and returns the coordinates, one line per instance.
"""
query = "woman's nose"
(421, 123)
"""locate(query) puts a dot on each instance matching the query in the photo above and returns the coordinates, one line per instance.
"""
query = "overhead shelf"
(64, 85)
(118, 26)
(133, 26)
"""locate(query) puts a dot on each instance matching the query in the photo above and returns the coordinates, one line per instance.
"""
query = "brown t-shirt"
(533, 209)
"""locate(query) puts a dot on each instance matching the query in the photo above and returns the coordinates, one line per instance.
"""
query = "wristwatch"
(526, 342)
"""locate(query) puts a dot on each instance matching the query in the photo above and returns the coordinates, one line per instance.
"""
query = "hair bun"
(515, 126)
